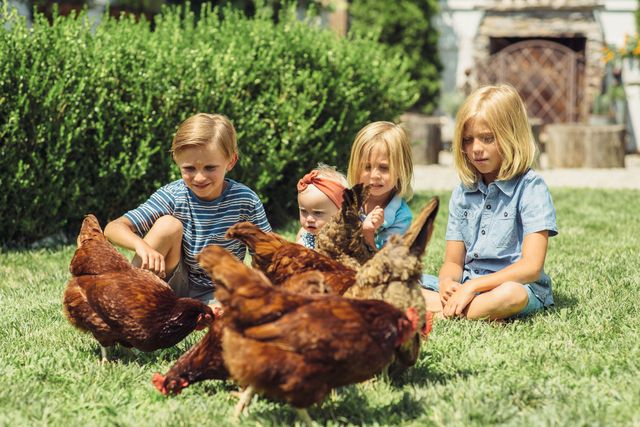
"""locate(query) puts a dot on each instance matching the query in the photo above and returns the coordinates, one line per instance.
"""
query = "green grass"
(577, 364)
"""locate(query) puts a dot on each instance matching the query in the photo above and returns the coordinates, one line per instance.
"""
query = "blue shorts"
(534, 303)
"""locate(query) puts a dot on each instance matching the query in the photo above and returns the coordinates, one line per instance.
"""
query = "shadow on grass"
(348, 405)
(128, 356)
(563, 300)
(423, 376)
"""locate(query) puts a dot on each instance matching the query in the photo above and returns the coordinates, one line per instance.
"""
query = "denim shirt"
(493, 220)
(397, 219)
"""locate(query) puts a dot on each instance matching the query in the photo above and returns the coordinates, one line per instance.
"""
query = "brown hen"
(341, 237)
(295, 347)
(202, 362)
(122, 304)
(281, 260)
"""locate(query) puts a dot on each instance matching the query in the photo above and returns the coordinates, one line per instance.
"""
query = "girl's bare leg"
(501, 302)
(432, 300)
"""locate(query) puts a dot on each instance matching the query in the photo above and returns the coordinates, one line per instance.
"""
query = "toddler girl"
(319, 198)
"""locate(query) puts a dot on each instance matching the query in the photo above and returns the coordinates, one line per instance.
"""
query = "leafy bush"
(406, 26)
(87, 112)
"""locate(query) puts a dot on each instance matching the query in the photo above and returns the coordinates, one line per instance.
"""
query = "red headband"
(333, 190)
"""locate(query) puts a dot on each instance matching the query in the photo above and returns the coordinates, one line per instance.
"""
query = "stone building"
(550, 50)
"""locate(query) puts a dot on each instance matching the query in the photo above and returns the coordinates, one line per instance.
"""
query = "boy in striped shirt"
(181, 218)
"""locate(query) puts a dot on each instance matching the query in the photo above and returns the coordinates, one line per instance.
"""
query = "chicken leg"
(304, 416)
(243, 401)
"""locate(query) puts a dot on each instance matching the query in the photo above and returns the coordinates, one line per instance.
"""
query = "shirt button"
(476, 271)
(465, 213)
(506, 214)
(475, 255)
(483, 232)
(488, 206)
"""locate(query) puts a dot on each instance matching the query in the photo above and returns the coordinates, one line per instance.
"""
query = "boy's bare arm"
(121, 232)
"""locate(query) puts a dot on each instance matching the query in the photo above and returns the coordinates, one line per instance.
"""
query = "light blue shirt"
(493, 220)
(397, 219)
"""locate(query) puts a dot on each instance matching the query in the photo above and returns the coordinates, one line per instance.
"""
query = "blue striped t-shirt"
(204, 222)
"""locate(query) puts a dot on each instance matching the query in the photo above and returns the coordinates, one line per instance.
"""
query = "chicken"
(281, 260)
(341, 237)
(297, 347)
(202, 362)
(394, 273)
(122, 304)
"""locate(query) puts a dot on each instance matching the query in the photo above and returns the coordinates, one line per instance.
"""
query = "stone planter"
(580, 145)
(631, 83)
(425, 136)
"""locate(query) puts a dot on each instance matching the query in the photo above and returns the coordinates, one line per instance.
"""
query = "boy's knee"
(169, 226)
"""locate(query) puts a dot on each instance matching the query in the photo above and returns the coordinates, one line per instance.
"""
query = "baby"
(319, 199)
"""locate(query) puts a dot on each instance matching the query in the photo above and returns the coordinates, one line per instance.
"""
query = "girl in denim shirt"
(500, 216)
(381, 158)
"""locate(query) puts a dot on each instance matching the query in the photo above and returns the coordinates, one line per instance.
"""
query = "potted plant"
(628, 56)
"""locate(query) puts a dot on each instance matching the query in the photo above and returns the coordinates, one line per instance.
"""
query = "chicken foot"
(243, 401)
(305, 417)
(105, 355)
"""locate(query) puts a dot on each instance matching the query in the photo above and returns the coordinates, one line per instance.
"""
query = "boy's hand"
(374, 220)
(150, 259)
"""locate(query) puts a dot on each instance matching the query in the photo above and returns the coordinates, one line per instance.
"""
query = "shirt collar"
(507, 187)
(392, 207)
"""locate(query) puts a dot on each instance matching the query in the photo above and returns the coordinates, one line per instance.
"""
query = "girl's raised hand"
(374, 219)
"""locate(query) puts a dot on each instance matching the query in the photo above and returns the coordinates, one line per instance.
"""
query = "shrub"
(87, 112)
(406, 26)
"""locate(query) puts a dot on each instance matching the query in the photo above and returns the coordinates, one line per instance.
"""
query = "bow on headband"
(331, 189)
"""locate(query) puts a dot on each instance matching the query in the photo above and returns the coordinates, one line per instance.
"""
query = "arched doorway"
(548, 75)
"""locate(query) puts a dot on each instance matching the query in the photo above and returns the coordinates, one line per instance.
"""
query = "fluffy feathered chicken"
(122, 304)
(202, 362)
(341, 237)
(394, 273)
(281, 260)
(295, 347)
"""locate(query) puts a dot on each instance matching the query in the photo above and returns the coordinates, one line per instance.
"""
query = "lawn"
(576, 364)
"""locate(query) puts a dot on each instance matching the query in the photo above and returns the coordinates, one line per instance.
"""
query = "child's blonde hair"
(506, 115)
(202, 129)
(330, 172)
(396, 141)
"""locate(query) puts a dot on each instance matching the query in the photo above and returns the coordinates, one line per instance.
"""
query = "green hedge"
(407, 27)
(87, 112)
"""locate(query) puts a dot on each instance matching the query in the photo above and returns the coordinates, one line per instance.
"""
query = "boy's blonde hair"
(506, 115)
(202, 129)
(396, 141)
(330, 172)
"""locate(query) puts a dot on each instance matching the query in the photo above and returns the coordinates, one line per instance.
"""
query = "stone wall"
(561, 21)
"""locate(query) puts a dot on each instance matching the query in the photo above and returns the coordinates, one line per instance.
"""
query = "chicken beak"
(158, 382)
